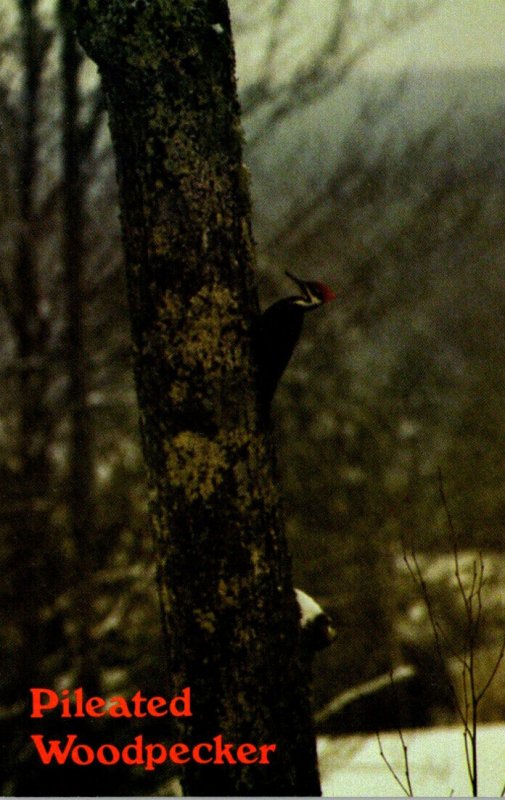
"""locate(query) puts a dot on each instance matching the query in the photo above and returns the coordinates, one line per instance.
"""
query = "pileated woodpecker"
(278, 330)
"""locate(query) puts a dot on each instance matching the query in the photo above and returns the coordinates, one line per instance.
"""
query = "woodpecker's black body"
(278, 330)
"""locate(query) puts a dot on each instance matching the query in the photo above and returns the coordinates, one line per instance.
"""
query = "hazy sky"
(460, 33)
(457, 33)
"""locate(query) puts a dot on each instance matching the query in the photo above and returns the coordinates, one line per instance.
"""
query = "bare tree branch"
(405, 787)
(331, 65)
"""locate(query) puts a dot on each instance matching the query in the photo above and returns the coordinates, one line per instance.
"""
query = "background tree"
(55, 256)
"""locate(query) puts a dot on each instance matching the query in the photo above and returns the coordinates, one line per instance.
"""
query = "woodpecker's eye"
(313, 292)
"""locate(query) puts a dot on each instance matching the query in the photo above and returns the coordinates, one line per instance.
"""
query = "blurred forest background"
(390, 187)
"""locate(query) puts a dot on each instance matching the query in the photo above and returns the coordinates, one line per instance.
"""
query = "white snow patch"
(309, 609)
(351, 766)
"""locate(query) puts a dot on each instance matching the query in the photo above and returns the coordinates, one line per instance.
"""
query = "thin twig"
(441, 639)
(400, 734)
(406, 789)
(493, 672)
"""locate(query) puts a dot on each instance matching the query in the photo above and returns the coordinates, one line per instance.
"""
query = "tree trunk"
(224, 573)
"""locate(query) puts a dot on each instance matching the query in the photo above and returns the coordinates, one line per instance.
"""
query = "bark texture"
(224, 574)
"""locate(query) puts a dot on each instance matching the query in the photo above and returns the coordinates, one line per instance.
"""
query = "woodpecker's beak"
(302, 285)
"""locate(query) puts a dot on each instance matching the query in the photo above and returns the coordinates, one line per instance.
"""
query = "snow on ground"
(351, 766)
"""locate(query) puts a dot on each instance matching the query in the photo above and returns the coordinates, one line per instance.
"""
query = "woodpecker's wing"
(276, 334)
